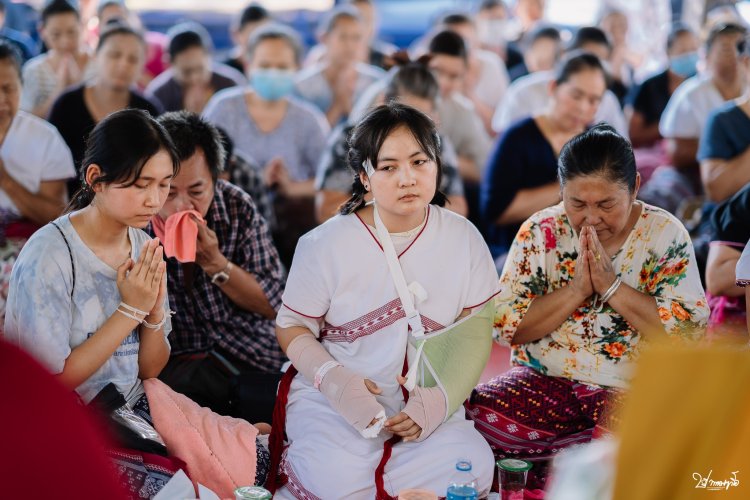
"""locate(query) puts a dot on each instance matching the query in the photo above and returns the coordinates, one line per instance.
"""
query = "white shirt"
(459, 122)
(687, 110)
(528, 96)
(360, 318)
(40, 81)
(33, 152)
(493, 79)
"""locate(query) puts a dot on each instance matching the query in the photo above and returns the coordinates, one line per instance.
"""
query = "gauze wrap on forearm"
(344, 389)
(426, 407)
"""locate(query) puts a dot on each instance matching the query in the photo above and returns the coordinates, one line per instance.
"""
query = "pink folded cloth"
(179, 234)
(219, 451)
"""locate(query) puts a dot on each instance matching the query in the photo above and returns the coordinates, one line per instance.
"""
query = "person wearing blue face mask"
(269, 125)
(647, 101)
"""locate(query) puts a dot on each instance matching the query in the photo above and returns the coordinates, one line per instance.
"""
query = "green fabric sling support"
(452, 358)
(455, 357)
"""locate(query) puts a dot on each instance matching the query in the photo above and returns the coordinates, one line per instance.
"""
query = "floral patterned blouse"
(591, 346)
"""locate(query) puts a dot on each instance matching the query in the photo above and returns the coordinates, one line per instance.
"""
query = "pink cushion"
(219, 451)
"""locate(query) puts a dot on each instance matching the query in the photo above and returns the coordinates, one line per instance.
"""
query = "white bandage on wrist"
(322, 371)
(344, 389)
(426, 407)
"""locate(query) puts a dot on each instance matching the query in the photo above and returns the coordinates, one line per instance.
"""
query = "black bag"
(253, 395)
(126, 427)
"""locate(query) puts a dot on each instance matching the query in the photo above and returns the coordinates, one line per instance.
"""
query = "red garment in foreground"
(51, 446)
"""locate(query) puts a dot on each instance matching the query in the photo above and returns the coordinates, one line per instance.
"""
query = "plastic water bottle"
(462, 485)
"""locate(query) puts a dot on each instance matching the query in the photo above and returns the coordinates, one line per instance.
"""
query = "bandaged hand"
(350, 394)
(351, 398)
(425, 409)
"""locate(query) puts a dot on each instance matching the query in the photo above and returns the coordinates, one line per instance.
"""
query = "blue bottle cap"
(463, 465)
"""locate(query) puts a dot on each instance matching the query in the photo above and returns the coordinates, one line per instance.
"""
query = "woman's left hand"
(600, 264)
(402, 425)
(158, 311)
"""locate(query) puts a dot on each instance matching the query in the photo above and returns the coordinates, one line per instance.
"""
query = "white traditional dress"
(339, 286)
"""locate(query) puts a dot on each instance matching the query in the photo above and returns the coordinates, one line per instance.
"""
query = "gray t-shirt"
(299, 139)
(42, 319)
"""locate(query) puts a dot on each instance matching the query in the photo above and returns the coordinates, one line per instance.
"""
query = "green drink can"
(252, 493)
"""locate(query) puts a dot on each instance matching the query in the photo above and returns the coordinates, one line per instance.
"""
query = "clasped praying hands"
(594, 273)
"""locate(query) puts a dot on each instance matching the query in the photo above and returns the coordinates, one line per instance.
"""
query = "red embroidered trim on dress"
(372, 322)
(294, 485)
(427, 219)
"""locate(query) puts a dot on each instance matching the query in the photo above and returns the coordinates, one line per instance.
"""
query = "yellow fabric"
(688, 415)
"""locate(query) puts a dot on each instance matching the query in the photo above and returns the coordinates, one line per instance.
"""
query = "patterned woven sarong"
(525, 414)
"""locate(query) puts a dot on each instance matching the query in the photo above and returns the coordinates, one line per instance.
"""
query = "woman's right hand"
(581, 282)
(139, 282)
(375, 391)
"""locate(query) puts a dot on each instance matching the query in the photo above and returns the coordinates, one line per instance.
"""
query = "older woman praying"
(587, 284)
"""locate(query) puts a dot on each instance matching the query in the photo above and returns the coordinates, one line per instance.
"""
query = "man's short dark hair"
(724, 29)
(108, 3)
(448, 43)
(540, 33)
(189, 132)
(590, 34)
(275, 31)
(55, 8)
(677, 30)
(329, 20)
(9, 53)
(491, 4)
(454, 18)
(187, 35)
(253, 13)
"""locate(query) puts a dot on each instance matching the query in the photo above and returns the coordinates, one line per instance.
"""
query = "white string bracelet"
(132, 312)
(160, 324)
(322, 371)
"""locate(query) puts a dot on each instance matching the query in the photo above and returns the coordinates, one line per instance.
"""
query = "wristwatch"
(222, 276)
